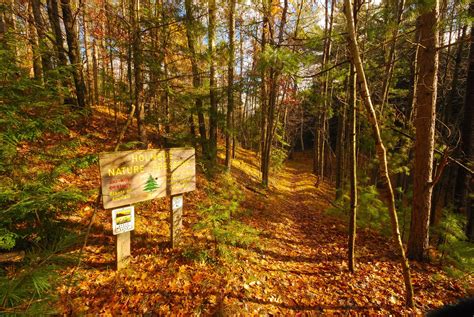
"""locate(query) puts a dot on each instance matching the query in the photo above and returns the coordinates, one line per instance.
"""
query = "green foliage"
(282, 59)
(32, 158)
(29, 212)
(27, 289)
(220, 221)
(371, 212)
(457, 253)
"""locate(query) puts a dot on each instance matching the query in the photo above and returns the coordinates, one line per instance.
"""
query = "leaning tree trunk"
(424, 133)
(74, 54)
(380, 148)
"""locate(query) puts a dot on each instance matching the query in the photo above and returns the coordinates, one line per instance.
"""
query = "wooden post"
(123, 250)
(176, 219)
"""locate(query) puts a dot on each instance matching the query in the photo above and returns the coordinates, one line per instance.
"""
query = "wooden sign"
(123, 220)
(131, 176)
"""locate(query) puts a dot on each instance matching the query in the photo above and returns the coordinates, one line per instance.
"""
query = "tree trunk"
(137, 69)
(41, 31)
(74, 54)
(392, 54)
(380, 148)
(353, 166)
(424, 133)
(464, 182)
(230, 90)
(33, 39)
(53, 14)
(212, 84)
(196, 76)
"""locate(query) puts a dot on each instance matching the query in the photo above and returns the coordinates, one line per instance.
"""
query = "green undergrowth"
(372, 212)
(456, 252)
(36, 153)
(221, 223)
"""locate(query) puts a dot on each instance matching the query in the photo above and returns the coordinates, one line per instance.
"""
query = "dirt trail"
(297, 265)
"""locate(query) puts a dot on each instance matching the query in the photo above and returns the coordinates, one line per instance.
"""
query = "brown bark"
(33, 39)
(352, 166)
(73, 52)
(392, 54)
(53, 14)
(424, 133)
(212, 83)
(137, 70)
(197, 82)
(464, 182)
(273, 77)
(41, 31)
(230, 90)
(388, 194)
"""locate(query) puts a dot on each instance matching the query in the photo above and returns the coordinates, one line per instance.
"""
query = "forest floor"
(295, 265)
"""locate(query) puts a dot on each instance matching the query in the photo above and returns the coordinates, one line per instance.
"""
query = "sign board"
(131, 176)
(123, 220)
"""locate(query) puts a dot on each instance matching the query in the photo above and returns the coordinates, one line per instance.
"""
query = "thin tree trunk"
(230, 89)
(353, 166)
(137, 70)
(33, 39)
(381, 151)
(392, 55)
(212, 83)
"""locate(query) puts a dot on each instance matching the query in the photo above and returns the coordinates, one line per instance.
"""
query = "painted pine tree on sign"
(151, 185)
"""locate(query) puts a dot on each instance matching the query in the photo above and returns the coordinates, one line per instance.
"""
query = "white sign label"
(123, 219)
(177, 202)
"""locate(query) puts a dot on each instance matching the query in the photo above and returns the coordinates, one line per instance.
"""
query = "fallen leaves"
(298, 266)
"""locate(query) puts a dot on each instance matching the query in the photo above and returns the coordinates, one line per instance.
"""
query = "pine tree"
(151, 185)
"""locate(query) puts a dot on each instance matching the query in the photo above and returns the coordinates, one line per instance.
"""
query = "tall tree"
(42, 41)
(274, 73)
(426, 88)
(212, 82)
(197, 82)
(464, 182)
(230, 89)
(73, 53)
(380, 149)
(352, 165)
(54, 20)
(137, 69)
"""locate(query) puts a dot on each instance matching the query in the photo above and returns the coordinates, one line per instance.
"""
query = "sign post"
(123, 221)
(176, 219)
(128, 177)
(122, 251)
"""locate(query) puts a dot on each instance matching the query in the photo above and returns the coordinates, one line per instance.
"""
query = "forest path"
(301, 263)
